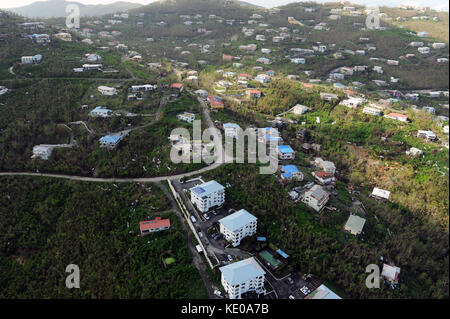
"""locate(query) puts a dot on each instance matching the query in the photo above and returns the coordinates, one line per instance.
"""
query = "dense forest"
(46, 224)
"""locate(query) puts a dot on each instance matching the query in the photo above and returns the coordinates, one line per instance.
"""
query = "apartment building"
(238, 225)
(207, 195)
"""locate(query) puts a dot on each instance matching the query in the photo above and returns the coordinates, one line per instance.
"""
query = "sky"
(435, 4)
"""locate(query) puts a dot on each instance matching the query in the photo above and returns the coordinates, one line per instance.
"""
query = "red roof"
(323, 174)
(227, 57)
(177, 85)
(154, 224)
(244, 75)
(255, 91)
(398, 115)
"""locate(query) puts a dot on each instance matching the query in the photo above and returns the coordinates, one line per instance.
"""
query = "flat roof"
(241, 271)
(208, 188)
(355, 223)
(285, 149)
(237, 220)
(111, 138)
(290, 169)
(323, 292)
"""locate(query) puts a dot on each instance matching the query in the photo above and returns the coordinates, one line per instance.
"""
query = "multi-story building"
(316, 197)
(237, 226)
(207, 195)
(241, 277)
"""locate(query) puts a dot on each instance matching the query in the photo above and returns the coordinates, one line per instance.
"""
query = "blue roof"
(207, 188)
(290, 169)
(111, 139)
(282, 253)
(237, 220)
(339, 85)
(241, 271)
(261, 238)
(285, 149)
(328, 293)
(286, 175)
(231, 125)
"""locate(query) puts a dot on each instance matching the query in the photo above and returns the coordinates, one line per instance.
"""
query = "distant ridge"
(57, 8)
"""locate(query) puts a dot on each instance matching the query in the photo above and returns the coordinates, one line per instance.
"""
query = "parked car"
(290, 280)
(193, 219)
(218, 293)
(206, 242)
(206, 216)
(230, 258)
(200, 234)
(291, 297)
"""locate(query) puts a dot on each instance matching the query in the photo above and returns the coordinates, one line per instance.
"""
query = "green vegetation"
(48, 224)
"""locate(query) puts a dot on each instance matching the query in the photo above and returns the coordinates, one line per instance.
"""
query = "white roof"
(237, 220)
(381, 193)
(241, 271)
(390, 272)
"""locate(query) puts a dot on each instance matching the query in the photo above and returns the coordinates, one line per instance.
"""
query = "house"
(187, 117)
(263, 61)
(438, 45)
(323, 292)
(238, 225)
(413, 151)
(326, 166)
(87, 67)
(380, 194)
(328, 96)
(371, 111)
(110, 141)
(3, 90)
(353, 102)
(354, 224)
(397, 116)
(290, 172)
(324, 178)
(253, 94)
(241, 277)
(424, 50)
(392, 62)
(270, 134)
(207, 195)
(40, 38)
(226, 57)
(64, 36)
(390, 273)
(316, 197)
(92, 57)
(143, 88)
(202, 93)
(285, 152)
(179, 87)
(231, 129)
(298, 60)
(300, 109)
(106, 90)
(429, 136)
(31, 59)
(101, 111)
(262, 78)
(42, 151)
(150, 226)
(215, 102)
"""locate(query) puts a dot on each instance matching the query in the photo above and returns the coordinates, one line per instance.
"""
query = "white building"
(379, 193)
(186, 116)
(326, 166)
(144, 87)
(237, 226)
(300, 109)
(390, 273)
(106, 90)
(31, 59)
(42, 151)
(241, 277)
(371, 111)
(316, 197)
(101, 111)
(207, 195)
(231, 129)
(354, 224)
(353, 102)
